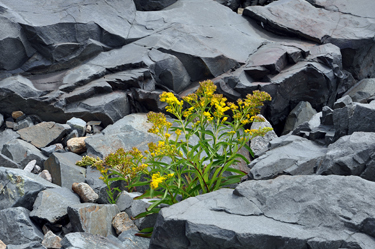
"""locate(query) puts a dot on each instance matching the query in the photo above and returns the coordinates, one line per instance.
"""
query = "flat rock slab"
(290, 211)
(51, 204)
(17, 228)
(87, 240)
(44, 134)
(20, 188)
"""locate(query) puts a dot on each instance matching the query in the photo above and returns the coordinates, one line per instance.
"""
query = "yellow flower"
(156, 180)
(167, 135)
(170, 175)
(178, 132)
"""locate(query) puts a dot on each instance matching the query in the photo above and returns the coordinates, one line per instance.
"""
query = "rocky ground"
(77, 78)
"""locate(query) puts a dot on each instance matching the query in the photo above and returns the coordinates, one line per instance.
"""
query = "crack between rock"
(346, 13)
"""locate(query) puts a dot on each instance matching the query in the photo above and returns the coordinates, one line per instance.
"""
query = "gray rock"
(63, 169)
(362, 118)
(6, 136)
(51, 205)
(1, 120)
(301, 113)
(77, 124)
(327, 116)
(146, 5)
(138, 207)
(289, 211)
(87, 240)
(31, 245)
(27, 122)
(129, 132)
(17, 228)
(43, 134)
(233, 4)
(93, 218)
(362, 91)
(8, 163)
(258, 144)
(51, 240)
(22, 152)
(330, 25)
(342, 102)
(288, 154)
(20, 188)
(130, 241)
(349, 155)
(48, 151)
(125, 200)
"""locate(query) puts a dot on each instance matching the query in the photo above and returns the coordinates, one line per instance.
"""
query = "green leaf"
(249, 149)
(145, 233)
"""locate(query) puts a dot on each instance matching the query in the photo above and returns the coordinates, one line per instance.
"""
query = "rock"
(22, 152)
(130, 241)
(329, 25)
(87, 240)
(17, 228)
(301, 113)
(93, 218)
(63, 170)
(129, 132)
(20, 188)
(100, 188)
(125, 199)
(17, 114)
(361, 118)
(48, 151)
(1, 120)
(2, 245)
(85, 192)
(77, 145)
(72, 134)
(327, 116)
(343, 102)
(30, 166)
(43, 134)
(8, 163)
(362, 91)
(46, 175)
(6, 136)
(259, 143)
(288, 154)
(233, 4)
(289, 211)
(24, 123)
(51, 205)
(121, 223)
(9, 123)
(51, 240)
(78, 125)
(31, 245)
(138, 207)
(349, 155)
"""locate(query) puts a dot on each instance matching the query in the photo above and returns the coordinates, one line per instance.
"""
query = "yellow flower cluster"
(159, 121)
(162, 149)
(174, 105)
(157, 179)
(258, 132)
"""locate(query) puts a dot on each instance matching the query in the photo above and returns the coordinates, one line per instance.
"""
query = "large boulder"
(346, 24)
(288, 212)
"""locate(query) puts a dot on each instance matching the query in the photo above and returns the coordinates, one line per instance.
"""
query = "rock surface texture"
(78, 77)
(286, 212)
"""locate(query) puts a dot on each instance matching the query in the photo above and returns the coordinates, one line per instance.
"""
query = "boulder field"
(77, 77)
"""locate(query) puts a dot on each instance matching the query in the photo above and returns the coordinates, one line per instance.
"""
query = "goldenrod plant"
(195, 151)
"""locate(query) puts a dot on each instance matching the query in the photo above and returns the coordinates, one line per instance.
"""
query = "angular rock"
(93, 218)
(51, 241)
(289, 211)
(48, 151)
(288, 154)
(78, 125)
(51, 205)
(6, 136)
(321, 25)
(22, 152)
(362, 118)
(138, 207)
(63, 169)
(43, 134)
(125, 199)
(301, 113)
(259, 143)
(20, 188)
(8, 163)
(27, 122)
(362, 91)
(130, 241)
(17, 228)
(31, 245)
(121, 223)
(2, 245)
(77, 145)
(129, 132)
(350, 155)
(1, 120)
(85, 192)
(30, 166)
(87, 240)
